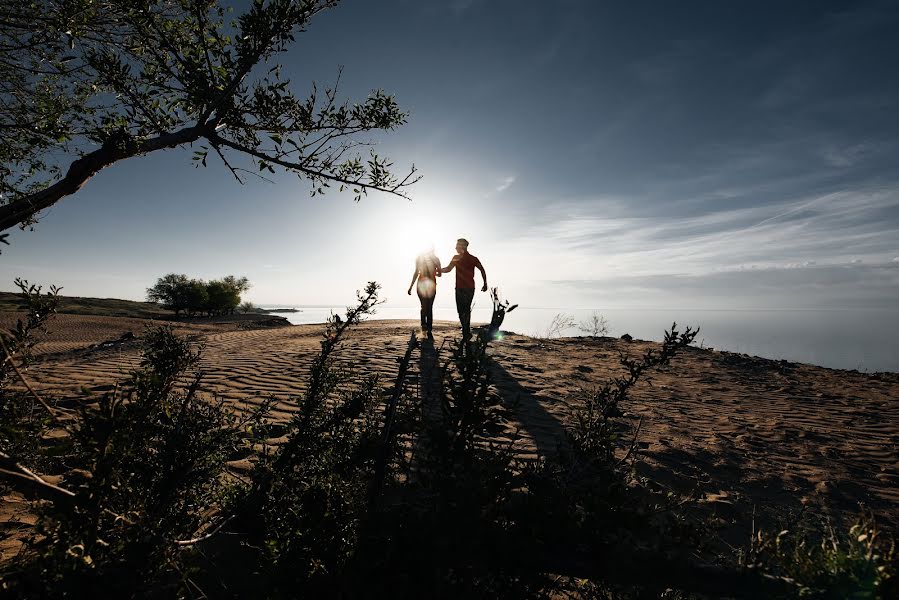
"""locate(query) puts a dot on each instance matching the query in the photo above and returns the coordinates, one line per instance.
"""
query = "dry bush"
(596, 325)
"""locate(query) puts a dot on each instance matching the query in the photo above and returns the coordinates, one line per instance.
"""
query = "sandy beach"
(742, 435)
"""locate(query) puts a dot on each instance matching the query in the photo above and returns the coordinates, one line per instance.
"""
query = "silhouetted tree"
(105, 80)
(217, 297)
(170, 291)
(221, 298)
(196, 295)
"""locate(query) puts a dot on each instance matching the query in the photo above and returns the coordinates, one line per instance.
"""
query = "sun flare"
(421, 235)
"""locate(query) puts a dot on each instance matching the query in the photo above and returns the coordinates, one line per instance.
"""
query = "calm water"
(844, 339)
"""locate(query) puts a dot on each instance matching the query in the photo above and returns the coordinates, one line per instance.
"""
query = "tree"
(222, 298)
(170, 291)
(106, 80)
(239, 285)
(196, 296)
(178, 292)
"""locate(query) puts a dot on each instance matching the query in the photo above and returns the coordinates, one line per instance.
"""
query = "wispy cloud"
(844, 230)
(505, 183)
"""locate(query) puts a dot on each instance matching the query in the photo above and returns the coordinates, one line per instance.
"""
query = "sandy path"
(740, 432)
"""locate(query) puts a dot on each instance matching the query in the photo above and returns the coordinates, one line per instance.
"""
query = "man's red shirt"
(465, 266)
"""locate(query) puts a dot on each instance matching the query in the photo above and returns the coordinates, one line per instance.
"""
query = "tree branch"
(116, 148)
(292, 166)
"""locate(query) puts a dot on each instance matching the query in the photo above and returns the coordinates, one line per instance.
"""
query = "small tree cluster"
(195, 296)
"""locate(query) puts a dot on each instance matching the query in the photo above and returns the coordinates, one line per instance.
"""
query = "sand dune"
(740, 433)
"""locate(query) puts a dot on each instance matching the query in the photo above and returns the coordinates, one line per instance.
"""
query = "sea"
(862, 340)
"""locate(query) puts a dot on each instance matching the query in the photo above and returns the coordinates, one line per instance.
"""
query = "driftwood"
(500, 309)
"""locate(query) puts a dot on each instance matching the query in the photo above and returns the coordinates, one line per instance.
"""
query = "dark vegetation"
(85, 84)
(375, 491)
(194, 296)
(106, 307)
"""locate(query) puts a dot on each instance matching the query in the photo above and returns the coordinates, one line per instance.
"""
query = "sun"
(421, 234)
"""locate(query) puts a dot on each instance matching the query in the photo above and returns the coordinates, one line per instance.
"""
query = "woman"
(427, 270)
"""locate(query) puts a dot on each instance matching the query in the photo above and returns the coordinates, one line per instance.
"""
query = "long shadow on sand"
(545, 429)
(429, 381)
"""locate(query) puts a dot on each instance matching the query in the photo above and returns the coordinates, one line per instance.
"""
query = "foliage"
(595, 326)
(596, 432)
(217, 297)
(146, 468)
(826, 562)
(311, 495)
(105, 80)
(170, 292)
(247, 307)
(22, 423)
(17, 343)
(467, 518)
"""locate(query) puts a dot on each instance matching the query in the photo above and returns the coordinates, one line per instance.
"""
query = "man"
(465, 264)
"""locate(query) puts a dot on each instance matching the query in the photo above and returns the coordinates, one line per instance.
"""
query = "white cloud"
(505, 183)
(595, 241)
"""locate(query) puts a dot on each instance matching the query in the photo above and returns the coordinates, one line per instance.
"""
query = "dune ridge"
(744, 435)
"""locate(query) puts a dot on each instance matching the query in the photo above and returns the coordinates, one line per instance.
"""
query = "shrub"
(311, 495)
(596, 325)
(22, 422)
(18, 342)
(557, 325)
(827, 562)
(147, 462)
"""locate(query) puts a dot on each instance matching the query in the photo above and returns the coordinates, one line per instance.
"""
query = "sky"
(721, 155)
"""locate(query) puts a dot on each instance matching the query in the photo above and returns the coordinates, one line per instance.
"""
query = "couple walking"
(428, 269)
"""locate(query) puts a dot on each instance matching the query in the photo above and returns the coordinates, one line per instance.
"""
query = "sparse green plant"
(24, 416)
(311, 495)
(18, 342)
(146, 472)
(597, 432)
(824, 561)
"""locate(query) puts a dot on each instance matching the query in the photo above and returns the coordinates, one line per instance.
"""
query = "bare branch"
(34, 394)
(292, 166)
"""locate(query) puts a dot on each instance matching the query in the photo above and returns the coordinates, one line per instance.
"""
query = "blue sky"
(657, 154)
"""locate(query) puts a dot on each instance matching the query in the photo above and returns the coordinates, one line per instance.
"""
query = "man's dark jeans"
(464, 297)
